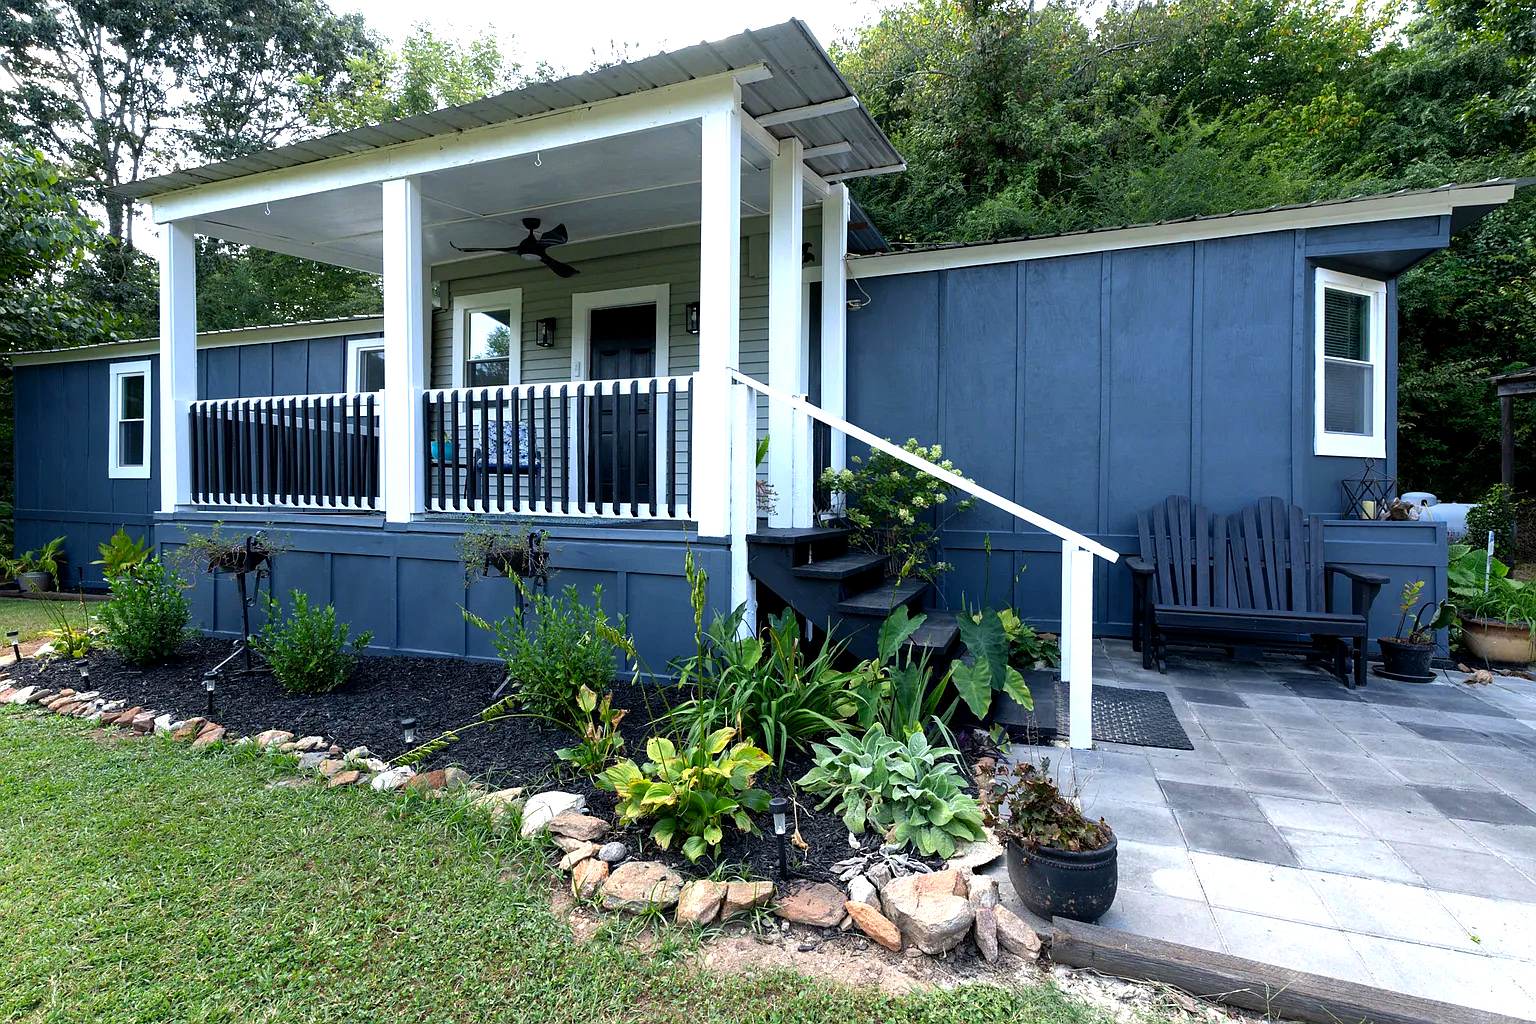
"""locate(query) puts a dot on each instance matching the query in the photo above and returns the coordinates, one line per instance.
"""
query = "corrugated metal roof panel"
(802, 74)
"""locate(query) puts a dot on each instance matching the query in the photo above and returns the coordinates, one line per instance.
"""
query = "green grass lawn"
(145, 882)
(35, 617)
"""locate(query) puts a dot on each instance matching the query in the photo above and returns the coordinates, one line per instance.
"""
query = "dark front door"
(623, 461)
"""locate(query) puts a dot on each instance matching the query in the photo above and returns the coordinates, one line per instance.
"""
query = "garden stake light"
(208, 685)
(14, 636)
(409, 725)
(85, 679)
(779, 806)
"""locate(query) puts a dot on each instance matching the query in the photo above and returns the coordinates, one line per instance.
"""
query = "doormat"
(1142, 718)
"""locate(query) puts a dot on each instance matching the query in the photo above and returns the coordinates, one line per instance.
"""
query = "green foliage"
(911, 792)
(45, 559)
(309, 651)
(513, 550)
(988, 642)
(66, 638)
(1496, 512)
(146, 621)
(121, 554)
(901, 697)
(896, 510)
(1421, 632)
(1485, 590)
(770, 690)
(691, 792)
(600, 738)
(567, 650)
(1026, 806)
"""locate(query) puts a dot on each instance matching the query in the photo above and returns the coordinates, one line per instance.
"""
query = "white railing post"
(709, 485)
(834, 315)
(743, 439)
(788, 348)
(178, 362)
(1080, 615)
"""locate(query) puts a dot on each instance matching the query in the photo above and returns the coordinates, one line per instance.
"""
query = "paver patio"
(1385, 836)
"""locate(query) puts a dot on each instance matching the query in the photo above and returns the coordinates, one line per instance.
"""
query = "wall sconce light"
(779, 807)
(691, 318)
(544, 332)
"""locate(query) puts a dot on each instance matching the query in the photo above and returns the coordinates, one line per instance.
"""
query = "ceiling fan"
(534, 248)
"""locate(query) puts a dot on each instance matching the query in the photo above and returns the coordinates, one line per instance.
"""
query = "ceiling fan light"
(531, 257)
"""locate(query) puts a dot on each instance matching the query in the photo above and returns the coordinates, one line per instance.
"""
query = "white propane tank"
(1452, 513)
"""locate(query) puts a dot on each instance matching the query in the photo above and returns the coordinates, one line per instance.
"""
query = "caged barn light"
(780, 807)
(408, 726)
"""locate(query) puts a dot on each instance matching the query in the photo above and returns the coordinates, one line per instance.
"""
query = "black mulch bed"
(443, 694)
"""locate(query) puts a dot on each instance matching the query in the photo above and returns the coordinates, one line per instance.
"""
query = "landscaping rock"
(566, 843)
(455, 778)
(931, 910)
(273, 738)
(189, 729)
(394, 778)
(1015, 935)
(310, 760)
(741, 897)
(613, 852)
(640, 885)
(983, 891)
(588, 878)
(985, 932)
(874, 924)
(164, 726)
(126, 718)
(585, 851)
(345, 778)
(578, 826)
(975, 854)
(22, 695)
(6, 693)
(699, 902)
(435, 779)
(42, 695)
(358, 754)
(308, 743)
(331, 765)
(500, 802)
(540, 810)
(818, 904)
(144, 722)
(210, 735)
(862, 890)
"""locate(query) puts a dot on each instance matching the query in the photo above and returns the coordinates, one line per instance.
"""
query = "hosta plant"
(600, 738)
(691, 792)
(911, 792)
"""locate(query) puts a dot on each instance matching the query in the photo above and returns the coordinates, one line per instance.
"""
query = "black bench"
(1255, 578)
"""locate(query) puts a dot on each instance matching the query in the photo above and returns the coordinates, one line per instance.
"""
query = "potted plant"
(499, 549)
(1497, 614)
(1060, 862)
(1408, 657)
(37, 571)
(442, 449)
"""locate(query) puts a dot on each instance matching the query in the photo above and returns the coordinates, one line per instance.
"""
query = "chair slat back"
(1277, 557)
(1176, 539)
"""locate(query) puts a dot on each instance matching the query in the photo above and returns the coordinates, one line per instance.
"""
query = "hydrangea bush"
(896, 510)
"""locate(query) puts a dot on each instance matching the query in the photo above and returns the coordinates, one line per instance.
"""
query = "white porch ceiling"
(622, 185)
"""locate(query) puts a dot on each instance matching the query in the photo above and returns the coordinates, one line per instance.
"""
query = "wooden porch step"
(789, 535)
(840, 568)
(882, 600)
(937, 633)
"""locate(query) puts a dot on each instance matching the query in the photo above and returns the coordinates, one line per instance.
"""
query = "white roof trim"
(1441, 202)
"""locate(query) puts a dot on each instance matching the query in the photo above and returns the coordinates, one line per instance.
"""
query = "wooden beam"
(1517, 389)
(1247, 984)
(809, 111)
(1506, 439)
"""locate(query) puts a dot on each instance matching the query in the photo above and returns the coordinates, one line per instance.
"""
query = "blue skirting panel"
(406, 584)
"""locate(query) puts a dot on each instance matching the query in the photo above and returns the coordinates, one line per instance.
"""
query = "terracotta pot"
(1493, 640)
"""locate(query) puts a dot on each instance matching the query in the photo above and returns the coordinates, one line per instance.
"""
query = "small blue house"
(600, 292)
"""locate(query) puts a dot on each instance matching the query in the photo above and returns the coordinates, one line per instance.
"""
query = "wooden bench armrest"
(1138, 565)
(1357, 575)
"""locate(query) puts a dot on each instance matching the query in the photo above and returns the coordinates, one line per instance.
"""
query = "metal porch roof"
(803, 75)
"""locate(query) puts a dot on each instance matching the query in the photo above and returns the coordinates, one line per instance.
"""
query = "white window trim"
(115, 373)
(354, 347)
(583, 303)
(1366, 446)
(463, 306)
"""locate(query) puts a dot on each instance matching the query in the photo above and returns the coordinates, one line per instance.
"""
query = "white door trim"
(582, 305)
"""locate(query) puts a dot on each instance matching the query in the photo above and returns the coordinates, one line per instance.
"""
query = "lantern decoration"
(1366, 496)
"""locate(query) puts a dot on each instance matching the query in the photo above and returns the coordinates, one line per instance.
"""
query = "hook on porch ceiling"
(538, 159)
(269, 209)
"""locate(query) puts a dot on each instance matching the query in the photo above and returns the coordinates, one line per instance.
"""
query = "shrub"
(1497, 510)
(146, 621)
(121, 554)
(896, 510)
(1482, 594)
(691, 792)
(911, 792)
(309, 652)
(571, 648)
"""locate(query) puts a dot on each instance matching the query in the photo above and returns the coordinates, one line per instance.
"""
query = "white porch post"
(178, 362)
(788, 348)
(405, 340)
(1077, 641)
(834, 316)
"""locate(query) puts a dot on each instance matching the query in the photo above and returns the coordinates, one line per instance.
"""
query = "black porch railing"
(613, 448)
(299, 451)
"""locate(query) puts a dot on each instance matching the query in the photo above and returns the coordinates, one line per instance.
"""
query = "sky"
(548, 32)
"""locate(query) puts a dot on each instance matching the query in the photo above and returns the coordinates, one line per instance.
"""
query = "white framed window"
(1350, 331)
(488, 339)
(365, 364)
(129, 402)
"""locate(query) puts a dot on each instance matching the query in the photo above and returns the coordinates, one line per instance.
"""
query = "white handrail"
(952, 479)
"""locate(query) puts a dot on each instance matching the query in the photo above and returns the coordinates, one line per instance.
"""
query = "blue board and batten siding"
(1089, 387)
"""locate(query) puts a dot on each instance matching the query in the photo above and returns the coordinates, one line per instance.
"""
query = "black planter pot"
(1061, 883)
(1404, 659)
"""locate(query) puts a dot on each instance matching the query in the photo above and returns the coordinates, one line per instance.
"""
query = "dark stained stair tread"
(787, 535)
(841, 567)
(937, 632)
(882, 600)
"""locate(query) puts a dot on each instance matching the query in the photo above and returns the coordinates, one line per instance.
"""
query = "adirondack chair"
(1255, 578)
